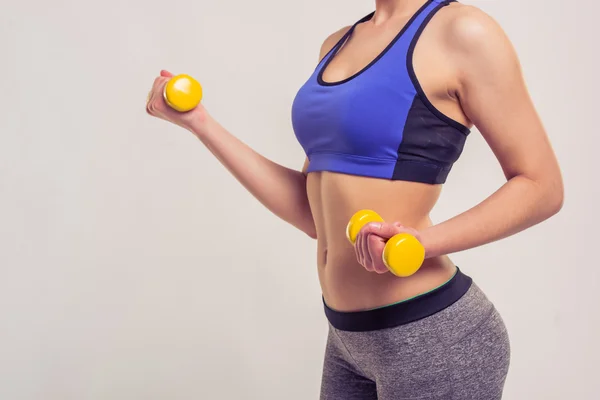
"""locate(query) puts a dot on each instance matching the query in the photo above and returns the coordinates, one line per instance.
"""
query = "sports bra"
(378, 123)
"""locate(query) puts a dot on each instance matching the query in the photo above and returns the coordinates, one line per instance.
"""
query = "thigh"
(480, 361)
(460, 353)
(342, 378)
(412, 365)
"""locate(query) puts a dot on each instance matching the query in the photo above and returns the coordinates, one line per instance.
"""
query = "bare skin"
(470, 72)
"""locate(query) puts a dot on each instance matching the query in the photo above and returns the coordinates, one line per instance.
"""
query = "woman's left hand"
(371, 240)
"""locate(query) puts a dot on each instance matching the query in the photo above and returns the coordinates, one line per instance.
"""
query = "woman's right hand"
(193, 120)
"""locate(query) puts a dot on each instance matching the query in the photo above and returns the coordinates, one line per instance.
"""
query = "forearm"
(517, 205)
(280, 189)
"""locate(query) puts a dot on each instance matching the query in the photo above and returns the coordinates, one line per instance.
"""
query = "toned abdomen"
(347, 285)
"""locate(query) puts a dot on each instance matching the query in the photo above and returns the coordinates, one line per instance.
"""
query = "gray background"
(133, 266)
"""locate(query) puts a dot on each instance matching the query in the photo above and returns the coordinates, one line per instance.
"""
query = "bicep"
(494, 96)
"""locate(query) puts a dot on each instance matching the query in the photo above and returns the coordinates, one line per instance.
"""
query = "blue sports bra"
(378, 122)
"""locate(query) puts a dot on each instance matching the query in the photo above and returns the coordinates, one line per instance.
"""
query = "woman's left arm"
(493, 95)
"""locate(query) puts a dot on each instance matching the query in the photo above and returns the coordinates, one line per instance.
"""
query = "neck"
(386, 9)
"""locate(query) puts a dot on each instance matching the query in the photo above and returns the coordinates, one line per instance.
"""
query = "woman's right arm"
(282, 190)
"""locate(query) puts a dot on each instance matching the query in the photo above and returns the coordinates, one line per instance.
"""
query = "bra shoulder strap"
(422, 18)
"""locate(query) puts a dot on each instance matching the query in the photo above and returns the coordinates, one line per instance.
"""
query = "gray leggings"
(459, 353)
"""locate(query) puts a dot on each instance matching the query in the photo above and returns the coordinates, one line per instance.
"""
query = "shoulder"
(468, 29)
(332, 39)
(473, 38)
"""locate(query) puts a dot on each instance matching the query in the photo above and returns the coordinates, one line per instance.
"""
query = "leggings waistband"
(402, 313)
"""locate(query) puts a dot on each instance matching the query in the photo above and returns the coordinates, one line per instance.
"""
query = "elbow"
(549, 192)
(560, 200)
(306, 226)
(556, 203)
(558, 196)
(312, 233)
(310, 229)
(554, 198)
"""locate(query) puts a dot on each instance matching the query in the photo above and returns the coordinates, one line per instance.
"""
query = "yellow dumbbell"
(403, 254)
(183, 93)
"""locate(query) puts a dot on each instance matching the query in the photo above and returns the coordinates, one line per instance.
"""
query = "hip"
(452, 344)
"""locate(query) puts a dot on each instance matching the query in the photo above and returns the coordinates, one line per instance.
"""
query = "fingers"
(382, 229)
(364, 256)
(151, 97)
(369, 248)
(166, 74)
(375, 247)
(155, 99)
(370, 243)
(367, 254)
(359, 248)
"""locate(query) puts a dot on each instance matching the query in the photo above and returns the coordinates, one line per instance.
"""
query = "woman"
(382, 119)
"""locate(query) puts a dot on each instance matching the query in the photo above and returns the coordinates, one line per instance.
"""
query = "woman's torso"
(347, 285)
(335, 197)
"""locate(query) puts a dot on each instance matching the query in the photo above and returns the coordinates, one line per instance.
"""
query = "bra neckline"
(334, 51)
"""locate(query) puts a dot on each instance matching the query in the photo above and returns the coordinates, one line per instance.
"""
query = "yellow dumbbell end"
(358, 220)
(403, 255)
(183, 93)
